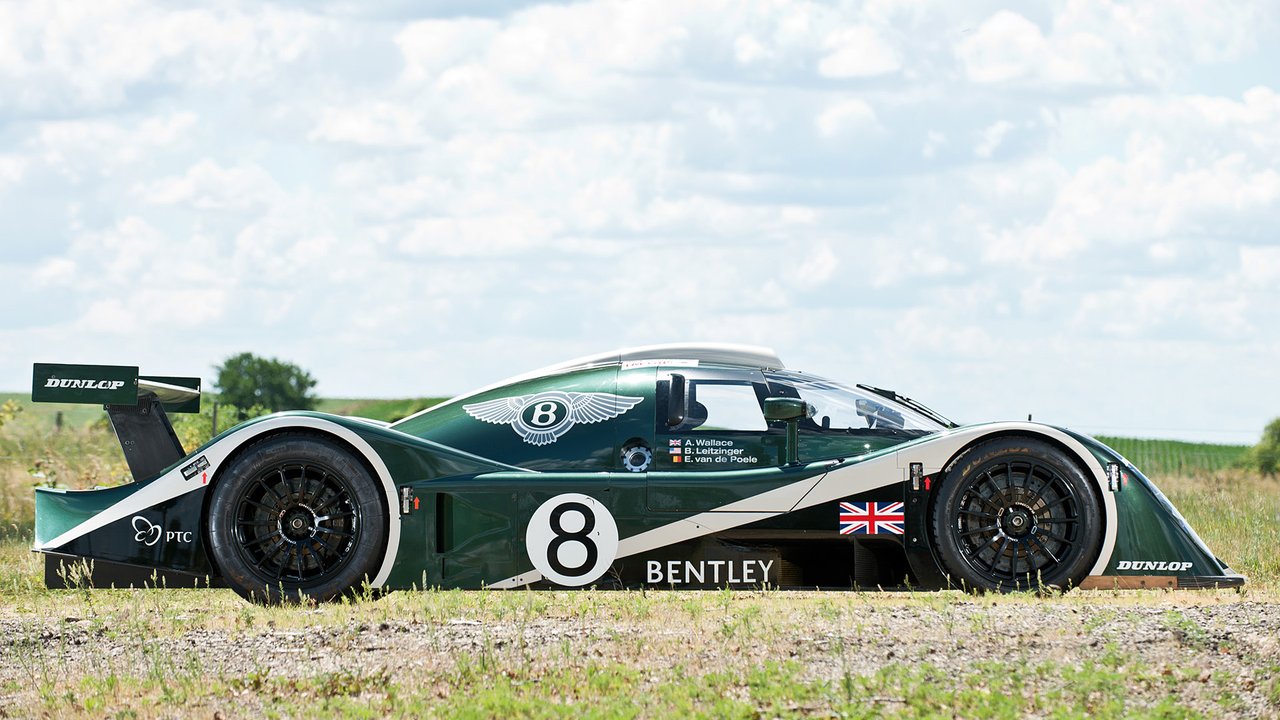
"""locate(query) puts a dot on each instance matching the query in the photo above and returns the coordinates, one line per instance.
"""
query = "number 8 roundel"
(572, 539)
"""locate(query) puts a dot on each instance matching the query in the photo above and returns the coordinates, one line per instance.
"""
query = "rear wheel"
(1016, 514)
(294, 517)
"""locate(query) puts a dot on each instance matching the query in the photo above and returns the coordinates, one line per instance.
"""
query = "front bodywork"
(474, 487)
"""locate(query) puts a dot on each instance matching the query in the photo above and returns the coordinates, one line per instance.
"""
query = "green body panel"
(636, 424)
(461, 535)
(1150, 528)
(586, 447)
(59, 510)
(470, 530)
(473, 528)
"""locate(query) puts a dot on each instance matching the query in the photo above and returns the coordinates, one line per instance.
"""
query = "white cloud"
(1004, 205)
(817, 268)
(11, 170)
(209, 186)
(82, 149)
(377, 124)
(857, 51)
(1260, 266)
(430, 47)
(1008, 47)
(56, 58)
(1141, 307)
(1095, 43)
(992, 136)
(849, 115)
(54, 272)
(933, 142)
(1150, 194)
(747, 49)
(475, 236)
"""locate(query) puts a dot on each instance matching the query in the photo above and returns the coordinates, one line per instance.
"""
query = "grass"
(621, 654)
(76, 457)
(1238, 516)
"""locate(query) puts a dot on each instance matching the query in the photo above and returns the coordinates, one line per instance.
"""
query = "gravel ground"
(1203, 642)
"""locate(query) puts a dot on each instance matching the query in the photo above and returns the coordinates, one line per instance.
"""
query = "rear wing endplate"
(112, 385)
(136, 404)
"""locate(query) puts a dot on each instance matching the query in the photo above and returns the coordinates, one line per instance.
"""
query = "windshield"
(850, 410)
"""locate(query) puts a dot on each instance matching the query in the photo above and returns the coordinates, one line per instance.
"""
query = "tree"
(1266, 454)
(246, 380)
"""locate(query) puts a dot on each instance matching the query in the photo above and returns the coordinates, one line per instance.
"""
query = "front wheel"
(294, 517)
(1016, 514)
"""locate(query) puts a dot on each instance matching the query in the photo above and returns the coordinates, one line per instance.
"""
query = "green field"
(386, 410)
(1174, 457)
(40, 415)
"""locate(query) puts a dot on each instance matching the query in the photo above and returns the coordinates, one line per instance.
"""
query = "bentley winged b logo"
(542, 418)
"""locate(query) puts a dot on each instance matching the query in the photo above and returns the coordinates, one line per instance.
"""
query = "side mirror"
(787, 409)
(791, 411)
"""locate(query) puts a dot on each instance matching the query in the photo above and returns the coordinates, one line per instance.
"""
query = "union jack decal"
(871, 518)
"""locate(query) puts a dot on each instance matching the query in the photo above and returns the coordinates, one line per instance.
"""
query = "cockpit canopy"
(841, 408)
(592, 413)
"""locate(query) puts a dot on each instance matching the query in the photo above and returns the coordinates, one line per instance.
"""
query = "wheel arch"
(249, 436)
(1074, 451)
(1080, 462)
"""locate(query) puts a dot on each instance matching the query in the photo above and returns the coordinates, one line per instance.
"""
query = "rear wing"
(112, 385)
(136, 405)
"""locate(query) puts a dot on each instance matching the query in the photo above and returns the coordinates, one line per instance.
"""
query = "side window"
(722, 406)
(711, 420)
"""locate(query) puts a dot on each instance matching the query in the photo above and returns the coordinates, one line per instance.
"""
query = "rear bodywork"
(474, 487)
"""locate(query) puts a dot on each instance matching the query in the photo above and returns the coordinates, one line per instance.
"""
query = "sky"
(1064, 209)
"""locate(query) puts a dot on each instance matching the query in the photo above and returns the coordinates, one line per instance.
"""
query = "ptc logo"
(146, 533)
(542, 418)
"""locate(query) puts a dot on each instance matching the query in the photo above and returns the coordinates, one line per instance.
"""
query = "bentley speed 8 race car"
(674, 466)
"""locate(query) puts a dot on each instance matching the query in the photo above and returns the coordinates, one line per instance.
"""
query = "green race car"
(675, 466)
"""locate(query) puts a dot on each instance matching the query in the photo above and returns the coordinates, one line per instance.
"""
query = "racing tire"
(297, 517)
(1015, 513)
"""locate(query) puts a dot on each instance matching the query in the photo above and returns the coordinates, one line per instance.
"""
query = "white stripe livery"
(852, 479)
(172, 484)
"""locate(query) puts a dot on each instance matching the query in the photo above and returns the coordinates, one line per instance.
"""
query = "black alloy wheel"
(297, 517)
(1016, 514)
(297, 523)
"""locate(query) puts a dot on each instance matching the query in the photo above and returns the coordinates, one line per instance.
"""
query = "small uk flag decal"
(871, 518)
